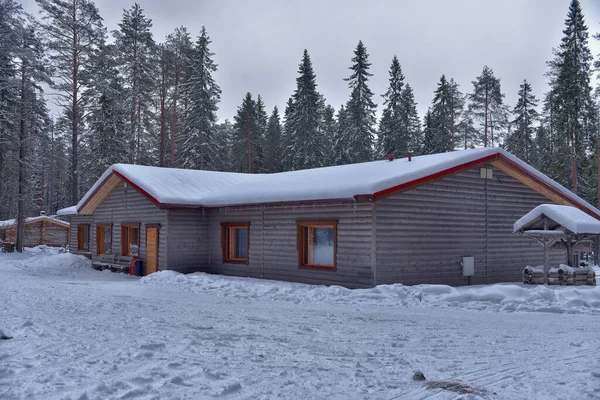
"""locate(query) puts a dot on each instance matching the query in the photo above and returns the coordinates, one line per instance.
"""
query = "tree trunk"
(75, 122)
(21, 198)
(573, 164)
(163, 94)
(174, 118)
(485, 129)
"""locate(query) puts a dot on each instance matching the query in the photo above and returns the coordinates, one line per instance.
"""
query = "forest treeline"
(123, 97)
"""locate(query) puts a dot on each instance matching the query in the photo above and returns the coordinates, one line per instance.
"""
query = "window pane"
(134, 242)
(85, 237)
(241, 243)
(107, 240)
(322, 250)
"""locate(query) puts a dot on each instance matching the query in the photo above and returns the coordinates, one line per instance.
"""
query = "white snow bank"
(498, 297)
(45, 260)
(569, 217)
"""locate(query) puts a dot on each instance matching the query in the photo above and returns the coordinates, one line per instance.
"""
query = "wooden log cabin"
(39, 230)
(411, 220)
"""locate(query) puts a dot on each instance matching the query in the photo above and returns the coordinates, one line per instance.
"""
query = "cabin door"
(151, 249)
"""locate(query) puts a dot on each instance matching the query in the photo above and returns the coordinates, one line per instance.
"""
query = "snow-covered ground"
(82, 334)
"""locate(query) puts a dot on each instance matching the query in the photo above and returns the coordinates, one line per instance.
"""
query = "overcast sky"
(259, 43)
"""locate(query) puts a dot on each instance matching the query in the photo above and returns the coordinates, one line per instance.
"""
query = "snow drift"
(497, 297)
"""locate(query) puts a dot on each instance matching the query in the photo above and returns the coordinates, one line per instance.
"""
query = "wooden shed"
(410, 220)
(43, 229)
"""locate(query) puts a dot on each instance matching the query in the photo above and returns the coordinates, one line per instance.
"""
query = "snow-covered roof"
(570, 218)
(195, 188)
(67, 211)
(11, 222)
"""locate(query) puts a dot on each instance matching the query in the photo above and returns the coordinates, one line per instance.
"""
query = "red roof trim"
(435, 176)
(139, 189)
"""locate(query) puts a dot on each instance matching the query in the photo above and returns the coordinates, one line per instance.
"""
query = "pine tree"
(360, 109)
(520, 140)
(246, 141)
(571, 102)
(304, 122)
(467, 135)
(200, 149)
(486, 105)
(137, 62)
(73, 30)
(272, 147)
(31, 70)
(11, 24)
(341, 151)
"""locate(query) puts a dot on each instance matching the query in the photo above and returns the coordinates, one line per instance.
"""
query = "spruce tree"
(179, 49)
(137, 62)
(200, 149)
(430, 142)
(107, 116)
(329, 131)
(245, 147)
(341, 151)
(520, 140)
(446, 107)
(360, 109)
(273, 148)
(467, 134)
(392, 138)
(570, 99)
(487, 105)
(410, 120)
(306, 147)
(73, 30)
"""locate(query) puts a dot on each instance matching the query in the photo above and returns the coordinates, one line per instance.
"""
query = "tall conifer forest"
(123, 96)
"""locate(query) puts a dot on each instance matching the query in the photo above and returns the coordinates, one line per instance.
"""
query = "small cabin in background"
(43, 229)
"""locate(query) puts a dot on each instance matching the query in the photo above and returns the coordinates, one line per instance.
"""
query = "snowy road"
(82, 334)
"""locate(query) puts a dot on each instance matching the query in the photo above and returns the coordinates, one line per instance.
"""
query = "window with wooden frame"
(83, 237)
(130, 240)
(104, 239)
(235, 241)
(317, 244)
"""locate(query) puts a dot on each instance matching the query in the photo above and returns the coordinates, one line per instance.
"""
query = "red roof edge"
(285, 203)
(139, 189)
(124, 178)
(435, 176)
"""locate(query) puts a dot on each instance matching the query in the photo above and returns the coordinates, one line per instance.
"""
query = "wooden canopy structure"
(563, 227)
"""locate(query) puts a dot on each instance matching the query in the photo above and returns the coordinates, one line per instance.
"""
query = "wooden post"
(546, 253)
(596, 249)
(569, 251)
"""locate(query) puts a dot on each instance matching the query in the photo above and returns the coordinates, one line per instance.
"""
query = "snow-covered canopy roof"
(10, 222)
(567, 217)
(67, 211)
(170, 187)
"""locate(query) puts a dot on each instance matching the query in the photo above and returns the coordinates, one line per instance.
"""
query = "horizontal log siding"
(80, 220)
(423, 233)
(56, 235)
(273, 253)
(126, 204)
(508, 200)
(188, 244)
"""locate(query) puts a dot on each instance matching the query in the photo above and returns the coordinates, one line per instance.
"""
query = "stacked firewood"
(533, 275)
(563, 275)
